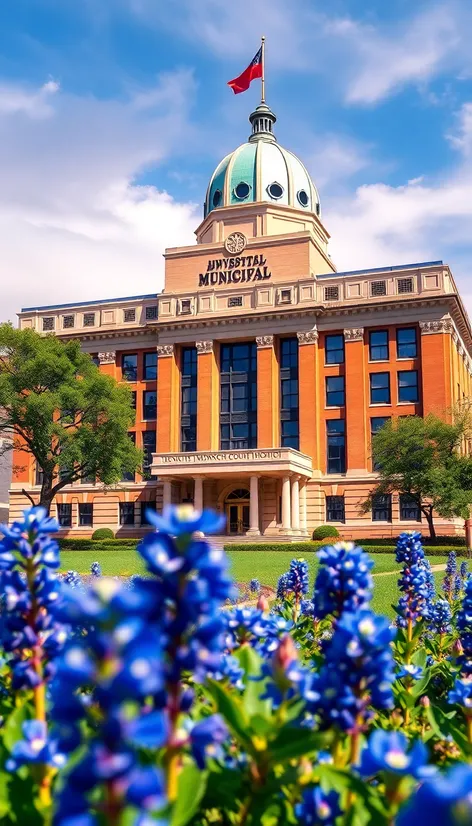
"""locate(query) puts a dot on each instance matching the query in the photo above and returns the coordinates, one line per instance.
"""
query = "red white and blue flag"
(253, 71)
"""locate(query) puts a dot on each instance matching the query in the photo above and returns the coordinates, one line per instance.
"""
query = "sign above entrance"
(236, 270)
(223, 456)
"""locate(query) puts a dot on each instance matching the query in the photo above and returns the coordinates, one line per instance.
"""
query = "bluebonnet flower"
(36, 747)
(441, 617)
(461, 693)
(287, 678)
(96, 569)
(457, 586)
(72, 579)
(244, 625)
(185, 521)
(464, 626)
(450, 574)
(389, 751)
(430, 581)
(229, 669)
(414, 604)
(408, 670)
(444, 800)
(254, 586)
(343, 582)
(464, 571)
(318, 808)
(307, 608)
(206, 739)
(282, 586)
(297, 577)
(357, 672)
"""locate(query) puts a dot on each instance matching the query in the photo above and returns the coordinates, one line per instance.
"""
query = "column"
(268, 393)
(198, 494)
(303, 520)
(295, 504)
(435, 349)
(166, 494)
(254, 507)
(208, 437)
(286, 522)
(356, 392)
(168, 392)
(308, 396)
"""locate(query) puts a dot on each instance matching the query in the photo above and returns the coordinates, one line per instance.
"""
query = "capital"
(204, 347)
(107, 358)
(354, 334)
(310, 337)
(263, 342)
(165, 350)
(439, 325)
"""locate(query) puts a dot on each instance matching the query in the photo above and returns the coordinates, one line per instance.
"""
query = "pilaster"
(308, 401)
(268, 393)
(356, 393)
(436, 366)
(208, 437)
(168, 413)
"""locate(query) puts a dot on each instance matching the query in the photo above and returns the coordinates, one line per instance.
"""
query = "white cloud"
(74, 224)
(34, 103)
(335, 159)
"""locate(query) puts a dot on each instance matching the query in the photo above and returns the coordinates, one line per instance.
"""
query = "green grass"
(264, 566)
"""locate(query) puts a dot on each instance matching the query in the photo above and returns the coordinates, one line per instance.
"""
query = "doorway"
(237, 511)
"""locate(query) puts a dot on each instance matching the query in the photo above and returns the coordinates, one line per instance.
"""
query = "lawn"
(246, 565)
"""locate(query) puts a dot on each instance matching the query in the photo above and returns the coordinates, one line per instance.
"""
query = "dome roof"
(262, 170)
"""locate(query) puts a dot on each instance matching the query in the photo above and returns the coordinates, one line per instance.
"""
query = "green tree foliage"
(421, 458)
(62, 411)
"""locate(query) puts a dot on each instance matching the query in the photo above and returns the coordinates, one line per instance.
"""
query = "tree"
(421, 458)
(60, 410)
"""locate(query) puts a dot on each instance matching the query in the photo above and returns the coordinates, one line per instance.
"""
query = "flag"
(254, 70)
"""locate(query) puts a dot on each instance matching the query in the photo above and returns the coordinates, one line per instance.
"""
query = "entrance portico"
(261, 492)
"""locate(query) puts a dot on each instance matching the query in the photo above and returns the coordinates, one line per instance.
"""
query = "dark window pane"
(378, 345)
(380, 388)
(126, 513)
(335, 509)
(336, 446)
(334, 349)
(409, 509)
(149, 404)
(64, 515)
(146, 506)
(406, 343)
(127, 476)
(150, 367)
(382, 508)
(407, 386)
(238, 396)
(85, 514)
(149, 447)
(334, 391)
(129, 366)
(188, 404)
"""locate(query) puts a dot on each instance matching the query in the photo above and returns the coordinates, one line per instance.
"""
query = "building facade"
(260, 373)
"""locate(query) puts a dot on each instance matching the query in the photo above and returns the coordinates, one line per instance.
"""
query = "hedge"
(96, 544)
(440, 541)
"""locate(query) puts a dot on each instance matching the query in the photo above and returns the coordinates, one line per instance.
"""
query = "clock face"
(235, 243)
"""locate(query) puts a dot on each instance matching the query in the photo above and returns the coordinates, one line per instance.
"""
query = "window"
(409, 509)
(39, 475)
(382, 508)
(149, 404)
(285, 296)
(335, 509)
(126, 513)
(378, 345)
(127, 476)
(238, 394)
(129, 315)
(275, 191)
(85, 514)
(149, 447)
(334, 349)
(64, 515)
(380, 388)
(408, 386)
(336, 446)
(378, 288)
(129, 366)
(67, 321)
(95, 359)
(151, 313)
(89, 319)
(289, 403)
(376, 423)
(150, 367)
(188, 404)
(302, 197)
(335, 391)
(242, 190)
(331, 293)
(185, 306)
(216, 197)
(146, 506)
(48, 323)
(406, 343)
(405, 285)
(235, 301)
(133, 400)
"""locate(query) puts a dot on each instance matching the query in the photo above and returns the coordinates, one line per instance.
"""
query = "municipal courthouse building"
(260, 374)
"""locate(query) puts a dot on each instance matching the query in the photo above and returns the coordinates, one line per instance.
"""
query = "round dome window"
(242, 190)
(302, 197)
(275, 191)
(216, 200)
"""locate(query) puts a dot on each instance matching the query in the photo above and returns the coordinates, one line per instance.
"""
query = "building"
(5, 477)
(260, 373)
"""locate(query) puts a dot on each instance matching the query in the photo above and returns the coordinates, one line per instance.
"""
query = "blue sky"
(114, 113)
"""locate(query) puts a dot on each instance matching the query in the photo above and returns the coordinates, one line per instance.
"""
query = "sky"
(114, 114)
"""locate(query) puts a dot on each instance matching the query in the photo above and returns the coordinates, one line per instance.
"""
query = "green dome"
(261, 170)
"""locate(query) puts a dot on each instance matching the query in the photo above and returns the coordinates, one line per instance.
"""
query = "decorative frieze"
(440, 325)
(264, 342)
(107, 358)
(204, 347)
(354, 334)
(310, 337)
(165, 350)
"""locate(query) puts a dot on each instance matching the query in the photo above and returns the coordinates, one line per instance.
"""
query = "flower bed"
(157, 702)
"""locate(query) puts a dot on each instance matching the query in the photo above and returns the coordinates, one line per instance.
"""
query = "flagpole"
(263, 69)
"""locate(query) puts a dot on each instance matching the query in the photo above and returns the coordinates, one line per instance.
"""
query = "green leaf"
(12, 729)
(231, 709)
(294, 742)
(251, 664)
(191, 789)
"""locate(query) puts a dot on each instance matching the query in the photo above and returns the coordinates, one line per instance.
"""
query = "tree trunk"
(428, 512)
(46, 496)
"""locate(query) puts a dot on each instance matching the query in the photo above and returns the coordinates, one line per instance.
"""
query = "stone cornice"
(440, 325)
(204, 347)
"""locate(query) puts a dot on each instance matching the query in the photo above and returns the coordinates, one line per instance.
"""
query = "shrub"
(103, 533)
(325, 531)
